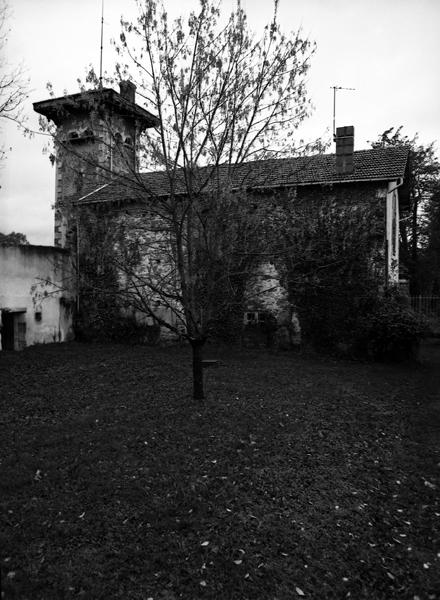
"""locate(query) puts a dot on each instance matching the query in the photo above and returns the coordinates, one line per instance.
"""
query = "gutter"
(330, 182)
(399, 183)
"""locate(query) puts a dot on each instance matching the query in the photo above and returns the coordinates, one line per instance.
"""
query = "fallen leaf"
(299, 591)
(429, 484)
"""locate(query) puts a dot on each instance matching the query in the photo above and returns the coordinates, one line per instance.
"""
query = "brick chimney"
(344, 149)
(127, 89)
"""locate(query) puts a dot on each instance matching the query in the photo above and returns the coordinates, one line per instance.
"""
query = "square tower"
(97, 133)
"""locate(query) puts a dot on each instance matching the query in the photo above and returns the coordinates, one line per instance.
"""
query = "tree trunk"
(198, 391)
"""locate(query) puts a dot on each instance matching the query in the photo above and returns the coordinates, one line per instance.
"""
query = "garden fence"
(426, 305)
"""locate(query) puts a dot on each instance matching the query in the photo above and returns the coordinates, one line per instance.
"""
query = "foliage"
(13, 239)
(424, 179)
(103, 315)
(330, 252)
(430, 261)
(389, 330)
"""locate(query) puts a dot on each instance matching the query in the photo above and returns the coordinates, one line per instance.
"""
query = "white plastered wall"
(23, 269)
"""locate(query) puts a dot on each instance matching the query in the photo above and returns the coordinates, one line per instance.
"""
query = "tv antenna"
(102, 37)
(334, 88)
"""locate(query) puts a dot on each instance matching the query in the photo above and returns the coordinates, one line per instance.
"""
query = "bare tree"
(197, 227)
(13, 85)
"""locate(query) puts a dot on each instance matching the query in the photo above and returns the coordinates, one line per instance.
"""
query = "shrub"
(389, 331)
(113, 326)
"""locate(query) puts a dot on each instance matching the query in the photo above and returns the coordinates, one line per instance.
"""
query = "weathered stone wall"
(43, 310)
(265, 292)
(90, 148)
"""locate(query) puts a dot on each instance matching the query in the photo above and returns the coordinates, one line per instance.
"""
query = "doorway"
(13, 330)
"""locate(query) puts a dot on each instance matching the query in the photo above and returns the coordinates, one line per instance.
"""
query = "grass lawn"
(298, 477)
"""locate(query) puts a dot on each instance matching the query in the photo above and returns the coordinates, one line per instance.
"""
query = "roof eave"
(82, 201)
(54, 107)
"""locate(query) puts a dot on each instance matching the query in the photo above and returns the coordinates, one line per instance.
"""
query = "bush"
(115, 327)
(329, 316)
(389, 331)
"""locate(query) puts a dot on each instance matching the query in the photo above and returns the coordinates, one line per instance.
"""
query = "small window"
(250, 318)
(255, 318)
(87, 133)
(38, 315)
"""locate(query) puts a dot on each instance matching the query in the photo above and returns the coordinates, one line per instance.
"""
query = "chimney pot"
(127, 89)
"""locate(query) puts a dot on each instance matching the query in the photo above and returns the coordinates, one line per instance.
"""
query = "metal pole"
(334, 88)
(100, 54)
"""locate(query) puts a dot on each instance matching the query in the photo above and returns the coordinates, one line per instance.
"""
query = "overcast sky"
(387, 49)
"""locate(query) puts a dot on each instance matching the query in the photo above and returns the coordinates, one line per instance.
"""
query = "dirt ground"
(299, 476)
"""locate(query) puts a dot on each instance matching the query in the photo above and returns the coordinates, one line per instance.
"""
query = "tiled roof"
(378, 164)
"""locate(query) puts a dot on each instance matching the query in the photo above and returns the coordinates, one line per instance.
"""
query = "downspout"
(399, 183)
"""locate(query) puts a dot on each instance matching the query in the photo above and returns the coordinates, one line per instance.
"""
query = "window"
(255, 317)
(87, 134)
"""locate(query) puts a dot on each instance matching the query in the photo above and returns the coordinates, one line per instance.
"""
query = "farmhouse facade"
(97, 169)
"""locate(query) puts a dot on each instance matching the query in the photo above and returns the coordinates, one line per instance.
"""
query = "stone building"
(97, 168)
(96, 136)
(375, 178)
